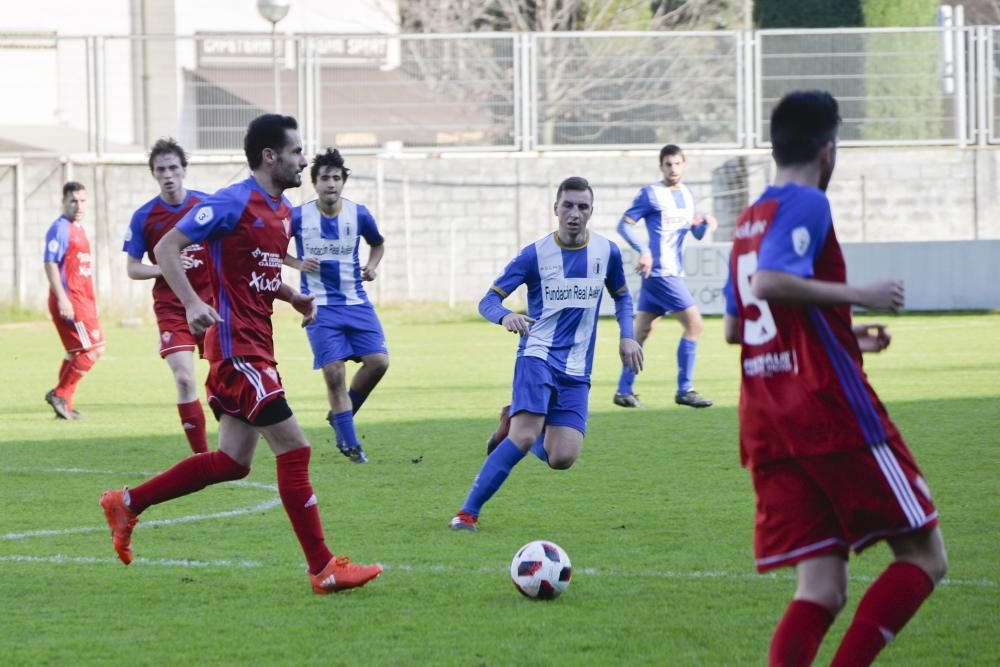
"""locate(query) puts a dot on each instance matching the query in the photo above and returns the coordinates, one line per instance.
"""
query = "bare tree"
(666, 84)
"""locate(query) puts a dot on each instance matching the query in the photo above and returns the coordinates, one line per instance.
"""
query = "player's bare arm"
(631, 353)
(517, 323)
(370, 270)
(200, 315)
(787, 288)
(731, 329)
(872, 337)
(303, 303)
(138, 270)
(55, 283)
(305, 265)
(645, 265)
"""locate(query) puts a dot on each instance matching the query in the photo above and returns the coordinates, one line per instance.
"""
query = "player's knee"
(832, 598)
(561, 461)
(185, 383)
(95, 354)
(377, 364)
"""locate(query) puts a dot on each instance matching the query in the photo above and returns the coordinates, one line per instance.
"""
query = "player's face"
(74, 205)
(329, 184)
(574, 208)
(286, 171)
(673, 167)
(169, 173)
(827, 161)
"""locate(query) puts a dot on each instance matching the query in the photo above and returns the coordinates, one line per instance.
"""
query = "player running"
(565, 273)
(668, 209)
(246, 227)
(830, 470)
(328, 231)
(167, 164)
(72, 304)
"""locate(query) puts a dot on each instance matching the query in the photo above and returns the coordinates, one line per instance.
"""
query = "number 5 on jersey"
(762, 329)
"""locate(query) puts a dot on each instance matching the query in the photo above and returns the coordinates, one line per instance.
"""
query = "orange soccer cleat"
(121, 520)
(341, 574)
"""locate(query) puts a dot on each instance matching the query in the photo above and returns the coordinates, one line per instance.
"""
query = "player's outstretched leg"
(491, 477)
(503, 428)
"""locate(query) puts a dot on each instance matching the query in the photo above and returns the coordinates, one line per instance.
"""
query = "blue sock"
(686, 351)
(357, 400)
(625, 381)
(343, 424)
(538, 449)
(492, 475)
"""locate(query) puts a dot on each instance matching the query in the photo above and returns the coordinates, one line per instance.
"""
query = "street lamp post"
(274, 11)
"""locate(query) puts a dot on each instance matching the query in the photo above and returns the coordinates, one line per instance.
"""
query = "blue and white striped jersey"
(334, 241)
(565, 286)
(668, 212)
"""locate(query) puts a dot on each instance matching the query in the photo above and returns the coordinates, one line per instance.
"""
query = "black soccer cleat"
(692, 399)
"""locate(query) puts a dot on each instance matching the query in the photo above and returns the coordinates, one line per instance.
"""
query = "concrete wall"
(451, 223)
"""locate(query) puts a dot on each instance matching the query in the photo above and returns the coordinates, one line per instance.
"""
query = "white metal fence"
(497, 91)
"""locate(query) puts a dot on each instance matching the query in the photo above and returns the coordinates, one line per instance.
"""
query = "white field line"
(431, 568)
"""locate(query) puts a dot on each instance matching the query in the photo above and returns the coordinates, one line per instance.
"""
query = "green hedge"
(807, 13)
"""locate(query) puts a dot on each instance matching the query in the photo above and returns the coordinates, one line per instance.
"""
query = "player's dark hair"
(72, 186)
(801, 124)
(267, 131)
(671, 150)
(331, 158)
(167, 146)
(574, 183)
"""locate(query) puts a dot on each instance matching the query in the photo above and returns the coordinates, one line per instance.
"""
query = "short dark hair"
(578, 183)
(267, 131)
(331, 158)
(801, 124)
(72, 186)
(671, 150)
(166, 146)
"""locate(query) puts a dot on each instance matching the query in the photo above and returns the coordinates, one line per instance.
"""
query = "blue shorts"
(345, 332)
(543, 390)
(664, 294)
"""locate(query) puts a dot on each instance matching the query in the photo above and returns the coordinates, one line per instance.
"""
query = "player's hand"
(699, 218)
(368, 273)
(187, 261)
(517, 323)
(872, 337)
(305, 304)
(645, 265)
(200, 317)
(66, 310)
(309, 265)
(631, 353)
(885, 295)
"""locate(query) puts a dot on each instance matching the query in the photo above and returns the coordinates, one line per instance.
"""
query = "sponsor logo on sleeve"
(800, 240)
(204, 215)
(128, 235)
(53, 246)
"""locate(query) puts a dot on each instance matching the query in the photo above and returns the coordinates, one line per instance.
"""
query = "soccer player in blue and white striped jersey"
(566, 273)
(668, 209)
(328, 231)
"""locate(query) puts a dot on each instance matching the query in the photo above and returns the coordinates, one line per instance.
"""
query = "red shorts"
(810, 506)
(241, 386)
(79, 335)
(175, 334)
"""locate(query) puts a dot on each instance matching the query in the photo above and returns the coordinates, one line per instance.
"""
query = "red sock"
(300, 503)
(70, 374)
(193, 422)
(62, 371)
(192, 474)
(799, 633)
(887, 605)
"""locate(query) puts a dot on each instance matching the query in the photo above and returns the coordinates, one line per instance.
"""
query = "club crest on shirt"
(204, 215)
(800, 240)
(271, 373)
(53, 246)
(597, 266)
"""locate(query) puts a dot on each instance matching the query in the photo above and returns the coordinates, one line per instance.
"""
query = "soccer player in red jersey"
(246, 227)
(71, 298)
(830, 469)
(167, 163)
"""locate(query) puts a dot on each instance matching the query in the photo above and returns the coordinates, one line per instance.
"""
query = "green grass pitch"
(656, 515)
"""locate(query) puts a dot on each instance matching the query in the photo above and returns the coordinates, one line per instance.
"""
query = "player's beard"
(287, 180)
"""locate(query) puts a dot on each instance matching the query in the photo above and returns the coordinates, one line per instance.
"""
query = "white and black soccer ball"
(541, 570)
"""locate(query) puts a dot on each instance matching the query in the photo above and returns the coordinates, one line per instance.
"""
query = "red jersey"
(803, 391)
(247, 233)
(67, 245)
(154, 219)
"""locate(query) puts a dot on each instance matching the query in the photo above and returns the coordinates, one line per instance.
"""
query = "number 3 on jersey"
(763, 329)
